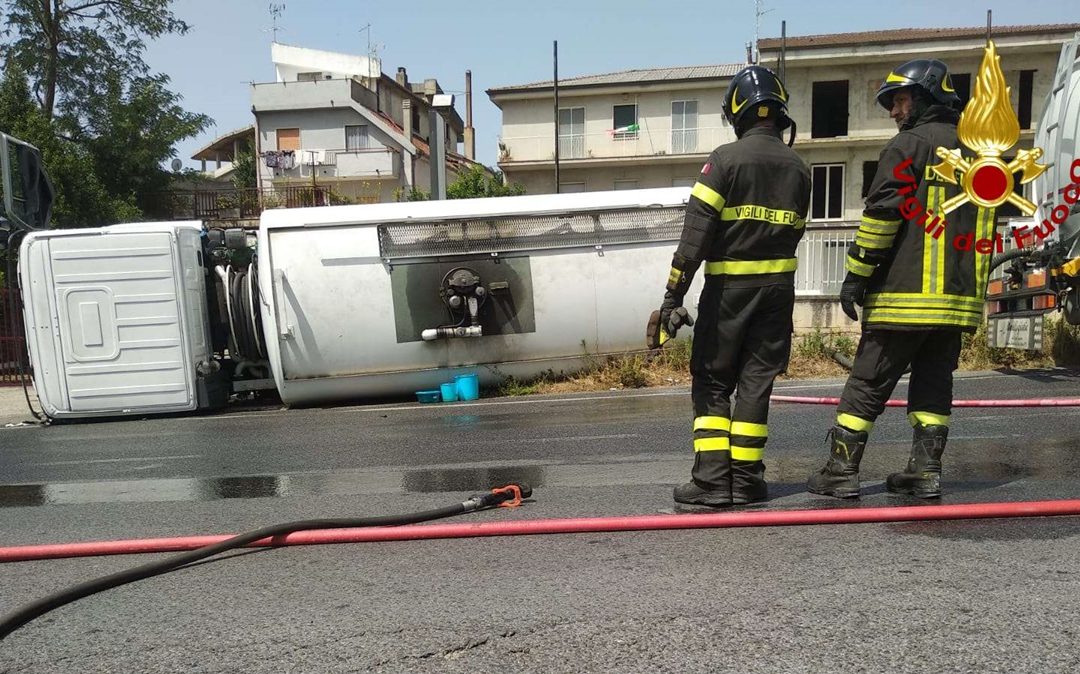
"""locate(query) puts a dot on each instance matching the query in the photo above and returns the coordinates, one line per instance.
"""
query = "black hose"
(843, 360)
(848, 363)
(20, 617)
(1002, 258)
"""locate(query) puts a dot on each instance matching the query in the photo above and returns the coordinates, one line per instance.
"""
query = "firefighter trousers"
(880, 361)
(742, 341)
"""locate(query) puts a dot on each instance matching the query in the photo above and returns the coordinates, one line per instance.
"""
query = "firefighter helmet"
(930, 75)
(751, 91)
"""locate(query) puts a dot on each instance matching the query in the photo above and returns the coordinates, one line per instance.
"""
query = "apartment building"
(655, 127)
(337, 121)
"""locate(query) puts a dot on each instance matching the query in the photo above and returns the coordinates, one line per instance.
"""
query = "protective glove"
(666, 321)
(852, 292)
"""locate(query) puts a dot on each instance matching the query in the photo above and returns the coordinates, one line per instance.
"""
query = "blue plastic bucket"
(428, 396)
(468, 386)
(449, 391)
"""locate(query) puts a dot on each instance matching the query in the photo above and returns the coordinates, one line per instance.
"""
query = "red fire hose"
(562, 526)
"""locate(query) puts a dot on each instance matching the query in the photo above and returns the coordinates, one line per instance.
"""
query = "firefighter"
(743, 222)
(918, 291)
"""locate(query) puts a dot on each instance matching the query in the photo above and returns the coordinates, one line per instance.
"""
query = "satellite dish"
(176, 164)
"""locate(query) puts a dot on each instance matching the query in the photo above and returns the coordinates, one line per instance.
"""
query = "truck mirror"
(28, 192)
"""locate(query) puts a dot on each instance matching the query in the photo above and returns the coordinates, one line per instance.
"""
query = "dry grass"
(1061, 347)
(671, 367)
(811, 358)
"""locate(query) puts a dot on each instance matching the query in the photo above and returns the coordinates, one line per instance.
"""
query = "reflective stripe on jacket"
(919, 277)
(750, 200)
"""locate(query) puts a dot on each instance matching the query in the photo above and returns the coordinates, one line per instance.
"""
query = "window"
(683, 182)
(683, 127)
(416, 119)
(869, 169)
(568, 188)
(626, 184)
(288, 139)
(827, 196)
(1027, 80)
(572, 133)
(624, 121)
(829, 116)
(962, 85)
(308, 77)
(356, 137)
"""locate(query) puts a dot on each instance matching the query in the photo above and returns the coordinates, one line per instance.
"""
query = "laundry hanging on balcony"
(282, 159)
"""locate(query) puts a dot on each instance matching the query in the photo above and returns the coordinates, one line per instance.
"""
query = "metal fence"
(822, 251)
(12, 339)
(821, 256)
(235, 204)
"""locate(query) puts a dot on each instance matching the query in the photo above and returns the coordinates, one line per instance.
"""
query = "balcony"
(379, 162)
(604, 147)
(310, 95)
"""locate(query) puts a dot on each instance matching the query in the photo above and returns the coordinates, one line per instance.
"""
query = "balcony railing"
(239, 204)
(821, 256)
(607, 145)
(378, 162)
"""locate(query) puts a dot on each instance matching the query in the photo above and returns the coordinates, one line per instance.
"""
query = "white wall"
(602, 179)
(529, 130)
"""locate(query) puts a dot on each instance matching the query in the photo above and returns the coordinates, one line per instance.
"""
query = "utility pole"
(555, 81)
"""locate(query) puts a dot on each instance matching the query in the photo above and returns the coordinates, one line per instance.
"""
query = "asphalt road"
(961, 596)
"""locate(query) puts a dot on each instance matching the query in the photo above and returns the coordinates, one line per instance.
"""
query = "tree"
(65, 45)
(244, 171)
(81, 198)
(131, 135)
(104, 123)
(480, 181)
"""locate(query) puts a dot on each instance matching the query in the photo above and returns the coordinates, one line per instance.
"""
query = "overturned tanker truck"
(332, 303)
(1042, 274)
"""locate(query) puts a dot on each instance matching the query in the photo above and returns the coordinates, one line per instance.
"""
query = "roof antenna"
(276, 8)
(758, 13)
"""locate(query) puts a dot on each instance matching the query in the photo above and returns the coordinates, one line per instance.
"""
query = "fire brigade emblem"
(989, 127)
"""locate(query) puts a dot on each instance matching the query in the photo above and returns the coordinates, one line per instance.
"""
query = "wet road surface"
(946, 596)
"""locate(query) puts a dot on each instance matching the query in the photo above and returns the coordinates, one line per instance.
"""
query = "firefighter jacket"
(746, 212)
(923, 270)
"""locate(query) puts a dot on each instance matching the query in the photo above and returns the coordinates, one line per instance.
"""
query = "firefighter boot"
(922, 477)
(840, 476)
(748, 482)
(710, 483)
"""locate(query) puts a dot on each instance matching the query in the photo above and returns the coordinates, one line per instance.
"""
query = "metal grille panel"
(501, 234)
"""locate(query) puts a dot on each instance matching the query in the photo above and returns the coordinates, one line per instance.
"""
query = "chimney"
(402, 77)
(470, 135)
(407, 159)
(406, 118)
(749, 53)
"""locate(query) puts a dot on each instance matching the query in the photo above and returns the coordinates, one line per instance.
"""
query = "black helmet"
(931, 75)
(753, 89)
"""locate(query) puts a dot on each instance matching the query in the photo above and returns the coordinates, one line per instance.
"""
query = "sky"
(510, 42)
